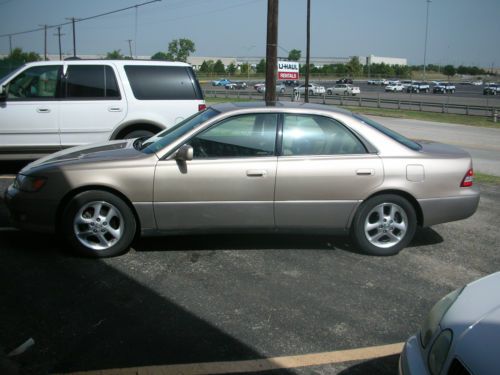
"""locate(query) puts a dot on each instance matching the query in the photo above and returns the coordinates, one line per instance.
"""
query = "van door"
(93, 104)
(29, 114)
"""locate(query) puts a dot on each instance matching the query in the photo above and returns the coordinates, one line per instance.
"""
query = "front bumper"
(28, 212)
(411, 361)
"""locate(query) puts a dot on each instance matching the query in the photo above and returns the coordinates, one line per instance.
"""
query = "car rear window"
(390, 133)
(163, 82)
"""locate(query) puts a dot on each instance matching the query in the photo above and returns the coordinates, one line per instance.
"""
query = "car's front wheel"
(98, 224)
(384, 225)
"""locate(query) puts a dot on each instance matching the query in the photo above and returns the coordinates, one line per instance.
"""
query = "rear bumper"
(443, 210)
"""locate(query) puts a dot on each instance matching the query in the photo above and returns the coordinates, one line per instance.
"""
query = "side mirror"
(184, 153)
(3, 92)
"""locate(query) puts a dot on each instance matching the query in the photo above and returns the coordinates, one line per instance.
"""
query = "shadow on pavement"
(85, 315)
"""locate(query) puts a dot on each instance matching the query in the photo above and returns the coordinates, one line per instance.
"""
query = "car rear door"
(228, 184)
(93, 103)
(323, 172)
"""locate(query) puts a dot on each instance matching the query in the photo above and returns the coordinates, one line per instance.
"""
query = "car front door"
(29, 114)
(93, 104)
(228, 184)
(324, 170)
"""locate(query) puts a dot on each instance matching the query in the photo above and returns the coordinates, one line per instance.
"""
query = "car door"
(228, 184)
(29, 114)
(93, 104)
(324, 170)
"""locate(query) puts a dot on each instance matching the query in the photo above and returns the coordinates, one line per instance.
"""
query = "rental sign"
(288, 70)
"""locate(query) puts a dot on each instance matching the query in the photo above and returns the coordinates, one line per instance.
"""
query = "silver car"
(460, 335)
(248, 166)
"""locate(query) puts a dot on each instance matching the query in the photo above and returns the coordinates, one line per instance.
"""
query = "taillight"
(468, 179)
(202, 107)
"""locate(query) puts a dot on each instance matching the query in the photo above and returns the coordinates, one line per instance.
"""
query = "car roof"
(280, 106)
(103, 61)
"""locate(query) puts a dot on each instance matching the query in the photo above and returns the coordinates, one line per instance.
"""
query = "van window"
(37, 83)
(162, 82)
(91, 82)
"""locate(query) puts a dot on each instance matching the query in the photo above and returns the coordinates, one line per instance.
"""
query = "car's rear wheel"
(98, 224)
(138, 133)
(384, 225)
(311, 93)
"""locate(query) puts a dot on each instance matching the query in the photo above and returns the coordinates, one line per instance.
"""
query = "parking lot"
(191, 299)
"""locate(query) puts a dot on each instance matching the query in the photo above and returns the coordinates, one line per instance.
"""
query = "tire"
(311, 92)
(138, 133)
(98, 224)
(346, 92)
(383, 236)
(329, 92)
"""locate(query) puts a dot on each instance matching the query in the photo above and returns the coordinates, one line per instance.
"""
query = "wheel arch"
(71, 194)
(410, 198)
(123, 129)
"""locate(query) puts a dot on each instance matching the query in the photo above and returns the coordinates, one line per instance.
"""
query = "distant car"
(460, 335)
(257, 85)
(343, 89)
(492, 89)
(313, 89)
(221, 82)
(280, 88)
(344, 80)
(444, 88)
(378, 82)
(419, 87)
(236, 86)
(248, 166)
(291, 83)
(394, 87)
(477, 83)
(407, 83)
(394, 82)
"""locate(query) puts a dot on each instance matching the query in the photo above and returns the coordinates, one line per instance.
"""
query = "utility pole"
(308, 50)
(426, 33)
(130, 47)
(10, 44)
(271, 51)
(59, 38)
(73, 20)
(45, 42)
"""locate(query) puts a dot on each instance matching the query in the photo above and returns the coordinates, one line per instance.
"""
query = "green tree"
(115, 55)
(19, 57)
(261, 66)
(449, 70)
(180, 49)
(244, 68)
(219, 67)
(160, 56)
(231, 69)
(354, 67)
(294, 54)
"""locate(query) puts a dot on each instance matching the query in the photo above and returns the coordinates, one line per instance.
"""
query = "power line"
(79, 19)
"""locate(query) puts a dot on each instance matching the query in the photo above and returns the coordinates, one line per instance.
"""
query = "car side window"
(37, 83)
(91, 82)
(317, 135)
(238, 137)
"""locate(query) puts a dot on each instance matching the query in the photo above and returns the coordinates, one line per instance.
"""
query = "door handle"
(114, 109)
(256, 173)
(365, 172)
(43, 110)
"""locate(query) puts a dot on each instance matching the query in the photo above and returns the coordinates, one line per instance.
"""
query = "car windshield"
(164, 138)
(390, 133)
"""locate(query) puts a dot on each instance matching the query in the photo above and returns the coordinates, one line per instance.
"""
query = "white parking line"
(257, 365)
(8, 229)
(7, 176)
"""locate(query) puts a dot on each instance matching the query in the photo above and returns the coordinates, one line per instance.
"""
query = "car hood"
(475, 321)
(105, 151)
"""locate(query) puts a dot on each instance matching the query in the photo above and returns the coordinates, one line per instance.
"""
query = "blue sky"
(460, 31)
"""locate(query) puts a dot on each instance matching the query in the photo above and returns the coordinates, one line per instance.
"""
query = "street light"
(426, 33)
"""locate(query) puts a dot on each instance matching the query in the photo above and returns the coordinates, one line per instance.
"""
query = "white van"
(50, 105)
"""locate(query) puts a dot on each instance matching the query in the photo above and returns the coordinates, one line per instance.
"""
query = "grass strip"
(488, 179)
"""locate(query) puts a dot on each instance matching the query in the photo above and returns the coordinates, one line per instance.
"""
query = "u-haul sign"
(288, 70)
